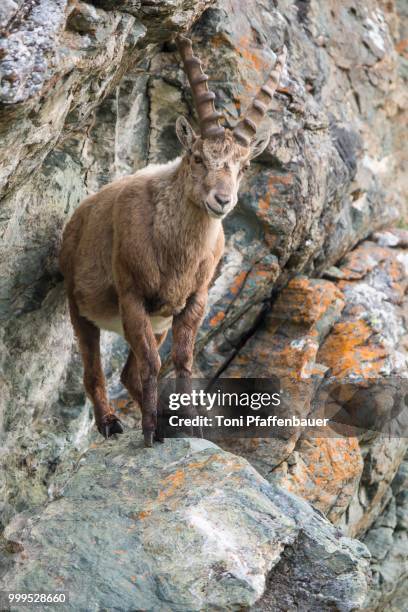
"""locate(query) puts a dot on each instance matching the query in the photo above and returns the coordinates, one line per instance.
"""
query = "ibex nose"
(223, 200)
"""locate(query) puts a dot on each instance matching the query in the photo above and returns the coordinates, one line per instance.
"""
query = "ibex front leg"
(140, 336)
(185, 328)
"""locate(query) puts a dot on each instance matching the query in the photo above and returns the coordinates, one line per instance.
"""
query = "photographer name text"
(246, 421)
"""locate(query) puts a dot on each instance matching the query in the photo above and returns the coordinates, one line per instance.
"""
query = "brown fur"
(148, 245)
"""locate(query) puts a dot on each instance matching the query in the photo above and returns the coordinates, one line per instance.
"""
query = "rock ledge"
(185, 526)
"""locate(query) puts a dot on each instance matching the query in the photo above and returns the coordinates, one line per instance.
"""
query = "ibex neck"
(181, 224)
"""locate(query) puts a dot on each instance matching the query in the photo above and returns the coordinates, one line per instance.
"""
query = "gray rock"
(183, 527)
(89, 91)
(7, 11)
(387, 541)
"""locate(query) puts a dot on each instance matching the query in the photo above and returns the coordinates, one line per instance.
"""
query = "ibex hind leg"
(88, 336)
(131, 379)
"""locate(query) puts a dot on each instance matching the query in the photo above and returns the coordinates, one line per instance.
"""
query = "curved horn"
(246, 129)
(208, 117)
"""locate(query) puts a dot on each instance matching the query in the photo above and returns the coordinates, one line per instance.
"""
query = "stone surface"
(231, 539)
(90, 91)
(285, 345)
(368, 344)
(388, 545)
(318, 333)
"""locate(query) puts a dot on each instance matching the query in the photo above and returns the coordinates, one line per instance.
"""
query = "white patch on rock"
(361, 203)
(387, 239)
(306, 344)
(399, 363)
(82, 430)
(376, 33)
(377, 166)
(382, 316)
(298, 344)
(403, 258)
(220, 543)
(124, 134)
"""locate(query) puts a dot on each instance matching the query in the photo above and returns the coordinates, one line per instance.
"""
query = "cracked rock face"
(351, 332)
(388, 545)
(230, 536)
(90, 91)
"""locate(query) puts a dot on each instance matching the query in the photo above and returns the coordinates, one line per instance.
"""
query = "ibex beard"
(138, 257)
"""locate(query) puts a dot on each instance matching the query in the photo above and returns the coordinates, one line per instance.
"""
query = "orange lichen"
(171, 484)
(256, 61)
(327, 473)
(144, 514)
(402, 45)
(348, 350)
(302, 305)
(124, 405)
(264, 202)
(238, 282)
(220, 316)
(304, 301)
(362, 260)
(295, 361)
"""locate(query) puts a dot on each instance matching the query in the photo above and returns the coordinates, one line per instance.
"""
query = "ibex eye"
(198, 159)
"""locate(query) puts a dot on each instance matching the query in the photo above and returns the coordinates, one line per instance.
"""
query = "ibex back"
(138, 256)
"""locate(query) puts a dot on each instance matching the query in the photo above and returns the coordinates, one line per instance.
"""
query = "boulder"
(186, 526)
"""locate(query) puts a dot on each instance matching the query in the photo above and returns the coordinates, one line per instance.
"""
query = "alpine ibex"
(138, 256)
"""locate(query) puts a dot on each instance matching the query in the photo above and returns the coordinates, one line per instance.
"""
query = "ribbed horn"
(208, 117)
(246, 129)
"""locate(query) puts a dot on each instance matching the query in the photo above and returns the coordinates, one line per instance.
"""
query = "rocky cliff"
(310, 287)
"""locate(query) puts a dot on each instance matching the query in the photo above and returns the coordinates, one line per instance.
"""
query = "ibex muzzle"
(138, 257)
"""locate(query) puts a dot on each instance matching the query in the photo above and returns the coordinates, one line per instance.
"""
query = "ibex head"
(218, 157)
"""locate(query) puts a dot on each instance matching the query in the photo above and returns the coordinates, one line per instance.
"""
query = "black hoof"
(148, 439)
(113, 426)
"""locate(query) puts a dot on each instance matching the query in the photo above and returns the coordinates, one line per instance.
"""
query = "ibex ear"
(185, 133)
(260, 143)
